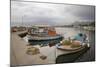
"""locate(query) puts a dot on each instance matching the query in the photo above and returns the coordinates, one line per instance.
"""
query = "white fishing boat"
(43, 35)
(70, 52)
(71, 44)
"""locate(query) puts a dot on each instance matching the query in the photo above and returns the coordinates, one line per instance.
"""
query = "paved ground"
(19, 56)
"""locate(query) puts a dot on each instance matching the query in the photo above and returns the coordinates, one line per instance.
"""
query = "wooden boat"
(72, 45)
(71, 56)
(68, 54)
(43, 35)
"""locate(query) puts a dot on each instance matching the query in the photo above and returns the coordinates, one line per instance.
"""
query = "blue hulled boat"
(43, 35)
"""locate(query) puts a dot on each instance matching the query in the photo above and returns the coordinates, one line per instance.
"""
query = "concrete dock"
(19, 56)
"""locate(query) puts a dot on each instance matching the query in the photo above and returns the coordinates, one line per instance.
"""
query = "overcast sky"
(47, 13)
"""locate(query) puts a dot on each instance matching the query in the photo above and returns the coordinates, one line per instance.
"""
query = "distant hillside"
(84, 24)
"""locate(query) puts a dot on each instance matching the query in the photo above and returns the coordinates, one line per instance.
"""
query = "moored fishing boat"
(71, 56)
(74, 44)
(69, 50)
(43, 35)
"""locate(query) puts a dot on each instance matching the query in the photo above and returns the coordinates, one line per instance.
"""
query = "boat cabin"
(42, 31)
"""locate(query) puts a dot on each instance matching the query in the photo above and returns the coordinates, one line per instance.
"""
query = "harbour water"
(70, 32)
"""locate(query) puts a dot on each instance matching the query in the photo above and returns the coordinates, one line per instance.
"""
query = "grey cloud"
(83, 12)
(43, 13)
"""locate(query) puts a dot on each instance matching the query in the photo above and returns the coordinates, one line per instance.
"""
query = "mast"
(22, 21)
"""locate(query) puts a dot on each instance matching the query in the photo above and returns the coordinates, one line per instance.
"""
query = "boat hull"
(72, 55)
(45, 41)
